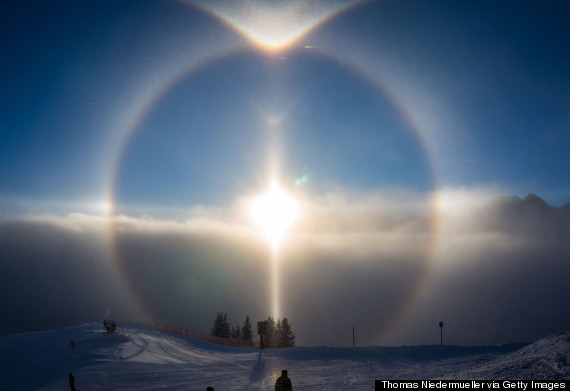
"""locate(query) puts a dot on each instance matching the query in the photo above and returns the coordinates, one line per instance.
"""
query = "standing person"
(283, 383)
(210, 389)
(73, 347)
(72, 382)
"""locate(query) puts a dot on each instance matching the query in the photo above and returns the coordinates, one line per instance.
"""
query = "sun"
(274, 212)
(274, 26)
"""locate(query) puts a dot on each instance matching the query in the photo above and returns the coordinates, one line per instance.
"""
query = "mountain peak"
(533, 199)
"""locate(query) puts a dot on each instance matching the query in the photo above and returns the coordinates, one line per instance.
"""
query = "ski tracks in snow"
(144, 358)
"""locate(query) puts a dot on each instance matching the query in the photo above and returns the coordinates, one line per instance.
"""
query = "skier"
(72, 382)
(73, 347)
(283, 383)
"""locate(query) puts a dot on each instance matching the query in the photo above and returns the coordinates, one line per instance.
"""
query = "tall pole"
(441, 332)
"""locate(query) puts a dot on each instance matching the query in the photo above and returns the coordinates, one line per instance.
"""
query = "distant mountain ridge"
(529, 214)
(530, 201)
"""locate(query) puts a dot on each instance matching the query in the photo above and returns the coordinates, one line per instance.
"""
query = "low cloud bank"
(494, 272)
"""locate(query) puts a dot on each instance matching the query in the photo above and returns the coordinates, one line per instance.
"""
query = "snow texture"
(144, 358)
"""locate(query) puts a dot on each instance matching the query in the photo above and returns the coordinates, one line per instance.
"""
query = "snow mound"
(547, 358)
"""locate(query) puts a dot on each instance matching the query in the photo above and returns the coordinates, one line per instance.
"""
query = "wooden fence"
(197, 334)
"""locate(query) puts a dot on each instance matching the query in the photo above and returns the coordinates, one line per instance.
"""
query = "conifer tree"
(278, 331)
(246, 334)
(236, 332)
(270, 339)
(227, 331)
(217, 328)
(286, 335)
(221, 325)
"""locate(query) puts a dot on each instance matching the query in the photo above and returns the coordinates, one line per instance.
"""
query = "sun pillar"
(274, 213)
(275, 282)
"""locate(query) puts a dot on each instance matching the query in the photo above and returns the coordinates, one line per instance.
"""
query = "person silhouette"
(283, 383)
(71, 382)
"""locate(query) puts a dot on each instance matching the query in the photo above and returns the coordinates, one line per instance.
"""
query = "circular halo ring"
(156, 92)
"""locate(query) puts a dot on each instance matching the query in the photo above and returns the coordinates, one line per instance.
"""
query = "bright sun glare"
(274, 212)
(273, 25)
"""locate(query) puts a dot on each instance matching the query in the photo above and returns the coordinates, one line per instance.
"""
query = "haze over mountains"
(502, 266)
(530, 213)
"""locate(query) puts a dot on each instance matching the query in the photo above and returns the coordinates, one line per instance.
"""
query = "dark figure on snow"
(210, 389)
(72, 382)
(283, 383)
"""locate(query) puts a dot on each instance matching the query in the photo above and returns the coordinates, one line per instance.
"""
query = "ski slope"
(145, 358)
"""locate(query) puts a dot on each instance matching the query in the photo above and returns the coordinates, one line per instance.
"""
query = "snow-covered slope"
(547, 358)
(144, 358)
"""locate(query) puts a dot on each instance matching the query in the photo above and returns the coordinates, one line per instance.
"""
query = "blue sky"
(487, 86)
(135, 135)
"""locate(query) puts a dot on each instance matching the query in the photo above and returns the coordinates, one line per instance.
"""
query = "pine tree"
(226, 330)
(217, 328)
(270, 339)
(221, 325)
(278, 331)
(286, 335)
(236, 332)
(246, 334)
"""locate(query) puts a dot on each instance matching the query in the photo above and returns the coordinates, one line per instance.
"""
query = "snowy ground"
(145, 358)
